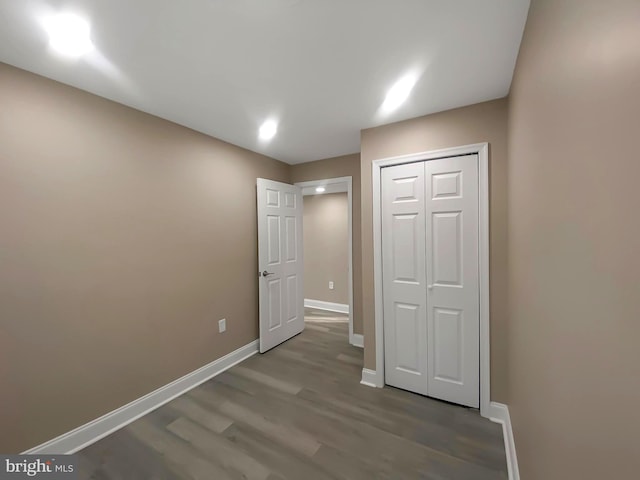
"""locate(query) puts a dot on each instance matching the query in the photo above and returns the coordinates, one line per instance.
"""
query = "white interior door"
(453, 295)
(280, 262)
(431, 279)
(404, 278)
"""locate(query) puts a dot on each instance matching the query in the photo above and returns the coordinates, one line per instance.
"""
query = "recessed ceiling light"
(69, 35)
(320, 189)
(268, 130)
(398, 93)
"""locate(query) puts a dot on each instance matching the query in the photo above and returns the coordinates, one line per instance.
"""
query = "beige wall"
(124, 239)
(326, 247)
(574, 242)
(347, 165)
(484, 122)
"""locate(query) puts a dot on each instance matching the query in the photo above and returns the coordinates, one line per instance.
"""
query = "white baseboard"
(93, 431)
(329, 306)
(499, 413)
(370, 378)
(357, 340)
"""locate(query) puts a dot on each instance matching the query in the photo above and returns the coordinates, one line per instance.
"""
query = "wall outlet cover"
(330, 285)
(222, 325)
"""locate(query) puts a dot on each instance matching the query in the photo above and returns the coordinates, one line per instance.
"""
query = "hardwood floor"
(298, 412)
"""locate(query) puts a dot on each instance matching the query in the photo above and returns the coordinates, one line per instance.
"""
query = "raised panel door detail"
(405, 189)
(446, 185)
(291, 239)
(448, 344)
(446, 256)
(290, 200)
(274, 287)
(405, 248)
(273, 239)
(407, 335)
(292, 295)
(273, 198)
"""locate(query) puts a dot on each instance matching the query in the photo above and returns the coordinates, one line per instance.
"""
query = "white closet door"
(404, 279)
(430, 278)
(453, 314)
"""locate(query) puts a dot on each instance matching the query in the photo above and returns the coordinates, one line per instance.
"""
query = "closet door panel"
(452, 279)
(404, 277)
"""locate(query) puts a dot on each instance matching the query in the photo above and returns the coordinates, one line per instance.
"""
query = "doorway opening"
(328, 252)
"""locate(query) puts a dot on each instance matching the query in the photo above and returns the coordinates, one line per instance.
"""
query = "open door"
(280, 262)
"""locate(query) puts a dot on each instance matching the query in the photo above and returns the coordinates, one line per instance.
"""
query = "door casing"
(376, 377)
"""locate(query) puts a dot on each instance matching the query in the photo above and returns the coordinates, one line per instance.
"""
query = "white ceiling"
(321, 67)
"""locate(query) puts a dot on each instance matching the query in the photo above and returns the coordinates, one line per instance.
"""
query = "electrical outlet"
(222, 325)
(330, 285)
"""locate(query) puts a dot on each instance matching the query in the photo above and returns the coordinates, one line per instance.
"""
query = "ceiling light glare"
(320, 189)
(398, 93)
(268, 130)
(69, 35)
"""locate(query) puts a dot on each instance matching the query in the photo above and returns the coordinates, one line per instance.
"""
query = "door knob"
(266, 274)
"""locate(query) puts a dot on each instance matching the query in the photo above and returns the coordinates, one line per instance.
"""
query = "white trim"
(349, 181)
(484, 268)
(482, 150)
(93, 431)
(499, 413)
(358, 340)
(328, 306)
(370, 378)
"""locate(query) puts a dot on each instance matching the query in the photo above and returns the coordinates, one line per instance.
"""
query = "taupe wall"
(574, 242)
(326, 247)
(124, 239)
(347, 165)
(484, 122)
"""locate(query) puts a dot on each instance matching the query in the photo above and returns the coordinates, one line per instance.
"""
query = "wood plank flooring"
(299, 412)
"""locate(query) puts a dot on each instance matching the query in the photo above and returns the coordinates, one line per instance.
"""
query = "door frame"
(354, 338)
(376, 378)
